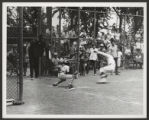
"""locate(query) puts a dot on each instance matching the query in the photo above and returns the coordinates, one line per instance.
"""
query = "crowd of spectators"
(40, 56)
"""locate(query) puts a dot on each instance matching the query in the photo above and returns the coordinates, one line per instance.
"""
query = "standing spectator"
(25, 58)
(49, 59)
(31, 57)
(35, 52)
(93, 57)
(107, 43)
(82, 61)
(73, 50)
(44, 62)
(40, 44)
(114, 52)
(119, 58)
(87, 55)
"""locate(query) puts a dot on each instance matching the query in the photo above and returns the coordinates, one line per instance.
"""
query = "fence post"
(60, 18)
(38, 34)
(94, 26)
(60, 11)
(78, 41)
(19, 100)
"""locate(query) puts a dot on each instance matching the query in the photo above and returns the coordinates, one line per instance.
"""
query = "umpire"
(35, 52)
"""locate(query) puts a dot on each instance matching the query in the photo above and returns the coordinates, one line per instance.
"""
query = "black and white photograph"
(74, 59)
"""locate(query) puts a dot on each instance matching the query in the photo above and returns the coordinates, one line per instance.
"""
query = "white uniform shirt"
(93, 55)
(109, 57)
(110, 60)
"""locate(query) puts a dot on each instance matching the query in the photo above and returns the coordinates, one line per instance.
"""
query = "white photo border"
(71, 4)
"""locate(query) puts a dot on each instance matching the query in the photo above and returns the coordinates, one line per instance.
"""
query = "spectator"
(139, 59)
(32, 59)
(127, 56)
(82, 61)
(44, 62)
(36, 50)
(114, 50)
(72, 33)
(25, 58)
(93, 57)
(119, 58)
(40, 44)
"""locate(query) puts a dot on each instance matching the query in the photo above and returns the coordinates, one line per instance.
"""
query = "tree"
(87, 17)
(12, 16)
(130, 12)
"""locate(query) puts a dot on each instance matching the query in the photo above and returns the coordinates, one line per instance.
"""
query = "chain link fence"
(12, 69)
(15, 61)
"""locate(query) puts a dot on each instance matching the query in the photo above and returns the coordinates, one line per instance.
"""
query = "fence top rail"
(94, 11)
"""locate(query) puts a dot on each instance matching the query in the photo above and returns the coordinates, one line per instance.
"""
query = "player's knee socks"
(103, 75)
(61, 80)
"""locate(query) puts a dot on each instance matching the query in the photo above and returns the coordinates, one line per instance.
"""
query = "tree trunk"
(39, 21)
(120, 24)
(49, 21)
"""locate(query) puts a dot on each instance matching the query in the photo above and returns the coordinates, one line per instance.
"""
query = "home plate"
(84, 87)
(102, 81)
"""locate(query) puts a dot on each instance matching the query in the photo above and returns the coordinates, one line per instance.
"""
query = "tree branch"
(116, 11)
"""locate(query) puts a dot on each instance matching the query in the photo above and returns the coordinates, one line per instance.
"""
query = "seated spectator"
(127, 56)
(139, 59)
(55, 62)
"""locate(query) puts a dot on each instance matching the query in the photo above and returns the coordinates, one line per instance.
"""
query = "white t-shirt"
(117, 36)
(137, 36)
(113, 50)
(119, 54)
(119, 58)
(127, 51)
(50, 55)
(93, 53)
